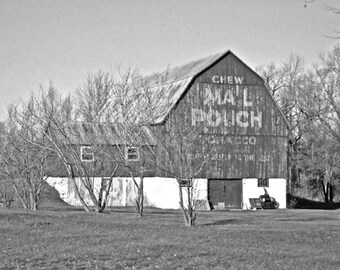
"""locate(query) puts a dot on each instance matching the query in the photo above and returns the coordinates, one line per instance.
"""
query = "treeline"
(310, 100)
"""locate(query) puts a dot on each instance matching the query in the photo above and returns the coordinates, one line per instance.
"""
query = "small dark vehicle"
(264, 202)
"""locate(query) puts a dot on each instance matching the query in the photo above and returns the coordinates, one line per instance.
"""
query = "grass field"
(69, 238)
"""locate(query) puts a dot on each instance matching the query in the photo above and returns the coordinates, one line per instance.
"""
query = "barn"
(240, 125)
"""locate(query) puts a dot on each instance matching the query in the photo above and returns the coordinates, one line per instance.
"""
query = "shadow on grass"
(223, 222)
(301, 203)
(150, 211)
(62, 209)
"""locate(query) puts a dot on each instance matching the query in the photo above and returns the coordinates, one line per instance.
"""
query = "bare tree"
(321, 163)
(321, 105)
(6, 193)
(94, 96)
(126, 115)
(23, 162)
(53, 119)
(84, 148)
(113, 98)
(175, 150)
(169, 148)
(180, 158)
(328, 81)
(287, 83)
(124, 148)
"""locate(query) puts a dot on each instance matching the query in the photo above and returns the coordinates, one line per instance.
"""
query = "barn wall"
(159, 192)
(276, 189)
(66, 189)
(239, 123)
(61, 185)
(102, 165)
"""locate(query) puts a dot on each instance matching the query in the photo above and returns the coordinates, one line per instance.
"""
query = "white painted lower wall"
(163, 192)
(276, 189)
(158, 192)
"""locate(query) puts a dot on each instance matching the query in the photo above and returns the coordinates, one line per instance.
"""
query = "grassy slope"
(68, 239)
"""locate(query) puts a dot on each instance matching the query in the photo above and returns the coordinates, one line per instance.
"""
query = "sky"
(43, 41)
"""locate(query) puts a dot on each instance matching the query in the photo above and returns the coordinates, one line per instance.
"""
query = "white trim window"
(86, 154)
(131, 153)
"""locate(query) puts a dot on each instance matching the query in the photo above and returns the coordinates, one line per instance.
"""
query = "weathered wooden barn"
(240, 125)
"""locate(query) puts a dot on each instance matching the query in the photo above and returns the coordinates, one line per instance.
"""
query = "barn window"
(186, 183)
(132, 154)
(263, 182)
(86, 153)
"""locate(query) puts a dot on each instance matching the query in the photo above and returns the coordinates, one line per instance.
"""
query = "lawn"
(72, 239)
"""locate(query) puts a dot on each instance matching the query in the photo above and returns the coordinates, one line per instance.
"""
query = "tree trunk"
(107, 190)
(34, 205)
(19, 195)
(191, 210)
(188, 213)
(101, 192)
(71, 176)
(101, 200)
(86, 207)
(325, 190)
(140, 197)
(139, 201)
(32, 201)
(107, 194)
(331, 193)
(86, 181)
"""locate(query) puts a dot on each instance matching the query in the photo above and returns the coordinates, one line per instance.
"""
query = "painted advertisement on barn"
(240, 124)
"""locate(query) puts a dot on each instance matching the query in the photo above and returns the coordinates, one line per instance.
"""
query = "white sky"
(62, 41)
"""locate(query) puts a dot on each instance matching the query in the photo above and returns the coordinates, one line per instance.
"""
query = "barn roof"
(83, 133)
(160, 92)
(167, 87)
(185, 71)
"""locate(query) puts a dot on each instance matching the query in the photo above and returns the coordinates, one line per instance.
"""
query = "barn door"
(225, 193)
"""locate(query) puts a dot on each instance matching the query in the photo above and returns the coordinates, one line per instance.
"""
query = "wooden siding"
(104, 163)
(241, 126)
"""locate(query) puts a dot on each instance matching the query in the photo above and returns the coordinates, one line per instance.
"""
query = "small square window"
(263, 182)
(132, 154)
(186, 183)
(86, 153)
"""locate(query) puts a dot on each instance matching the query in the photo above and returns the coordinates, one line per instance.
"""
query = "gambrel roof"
(82, 133)
(169, 86)
(160, 92)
